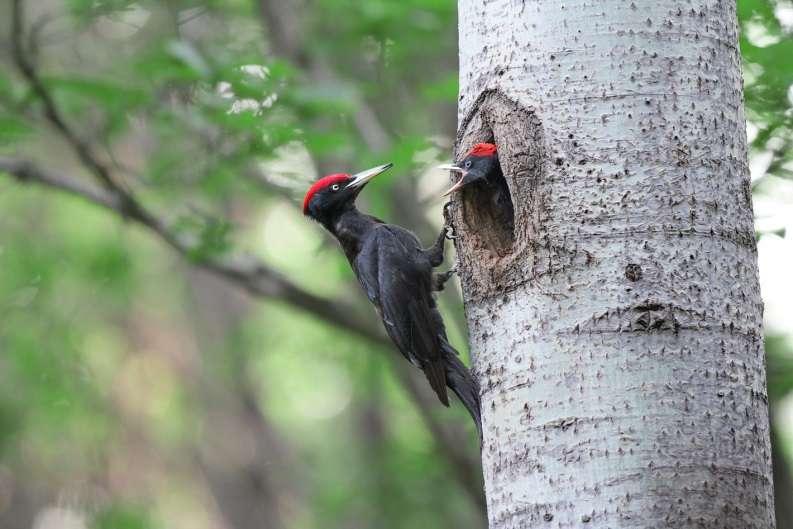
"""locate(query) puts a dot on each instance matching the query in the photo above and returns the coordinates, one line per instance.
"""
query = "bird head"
(331, 195)
(479, 165)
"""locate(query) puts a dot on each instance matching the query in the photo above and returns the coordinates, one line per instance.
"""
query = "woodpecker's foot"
(435, 252)
(441, 279)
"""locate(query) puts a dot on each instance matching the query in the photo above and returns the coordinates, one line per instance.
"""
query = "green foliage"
(768, 60)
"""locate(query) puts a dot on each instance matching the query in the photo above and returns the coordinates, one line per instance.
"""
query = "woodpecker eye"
(468, 164)
(335, 187)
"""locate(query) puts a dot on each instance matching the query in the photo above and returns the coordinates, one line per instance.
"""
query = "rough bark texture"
(616, 330)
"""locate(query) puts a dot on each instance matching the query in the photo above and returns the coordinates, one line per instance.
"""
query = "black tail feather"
(463, 384)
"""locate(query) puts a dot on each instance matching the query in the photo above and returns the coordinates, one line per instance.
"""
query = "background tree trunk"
(616, 330)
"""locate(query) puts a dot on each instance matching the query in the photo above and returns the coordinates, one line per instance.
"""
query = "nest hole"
(489, 213)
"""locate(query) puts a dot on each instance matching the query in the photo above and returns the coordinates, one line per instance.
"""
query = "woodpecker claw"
(441, 279)
(446, 214)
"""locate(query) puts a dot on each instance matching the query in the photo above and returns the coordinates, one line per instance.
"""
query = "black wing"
(397, 278)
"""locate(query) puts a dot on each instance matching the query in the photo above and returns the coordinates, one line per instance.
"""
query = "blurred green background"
(225, 371)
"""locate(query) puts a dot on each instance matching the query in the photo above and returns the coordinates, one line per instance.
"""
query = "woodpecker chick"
(397, 276)
(479, 165)
(490, 203)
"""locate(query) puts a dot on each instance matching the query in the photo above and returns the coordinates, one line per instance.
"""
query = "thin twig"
(51, 112)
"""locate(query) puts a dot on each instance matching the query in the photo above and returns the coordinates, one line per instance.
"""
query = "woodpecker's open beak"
(460, 183)
(360, 179)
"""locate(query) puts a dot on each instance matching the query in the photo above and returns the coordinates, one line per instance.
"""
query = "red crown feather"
(321, 184)
(483, 149)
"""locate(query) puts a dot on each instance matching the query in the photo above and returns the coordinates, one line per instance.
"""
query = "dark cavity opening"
(488, 212)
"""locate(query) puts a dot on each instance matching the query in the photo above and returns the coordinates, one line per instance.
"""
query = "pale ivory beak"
(361, 178)
(454, 169)
(450, 167)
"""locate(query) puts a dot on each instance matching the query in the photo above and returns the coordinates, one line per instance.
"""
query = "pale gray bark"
(616, 330)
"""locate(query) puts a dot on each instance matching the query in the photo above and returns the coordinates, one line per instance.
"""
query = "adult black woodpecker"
(397, 276)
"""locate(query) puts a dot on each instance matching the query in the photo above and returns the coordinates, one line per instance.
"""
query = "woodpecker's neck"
(350, 227)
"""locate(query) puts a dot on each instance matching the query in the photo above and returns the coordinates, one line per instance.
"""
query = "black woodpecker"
(489, 196)
(480, 166)
(397, 276)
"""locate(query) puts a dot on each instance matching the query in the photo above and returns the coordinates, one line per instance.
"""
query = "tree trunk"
(616, 329)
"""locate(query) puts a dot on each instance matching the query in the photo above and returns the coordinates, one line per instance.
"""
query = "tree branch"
(51, 111)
